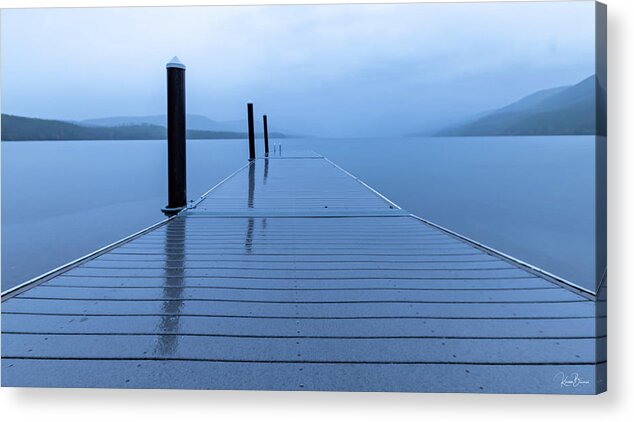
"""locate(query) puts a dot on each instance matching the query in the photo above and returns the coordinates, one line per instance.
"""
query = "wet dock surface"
(294, 275)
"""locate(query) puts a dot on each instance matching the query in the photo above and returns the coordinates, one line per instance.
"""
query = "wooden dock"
(294, 275)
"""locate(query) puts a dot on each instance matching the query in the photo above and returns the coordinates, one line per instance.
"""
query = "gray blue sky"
(343, 70)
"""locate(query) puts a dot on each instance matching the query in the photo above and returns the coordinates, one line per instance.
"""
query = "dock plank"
(299, 376)
(305, 296)
(263, 327)
(524, 283)
(315, 350)
(304, 310)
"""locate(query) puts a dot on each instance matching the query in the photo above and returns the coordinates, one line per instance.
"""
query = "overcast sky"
(343, 70)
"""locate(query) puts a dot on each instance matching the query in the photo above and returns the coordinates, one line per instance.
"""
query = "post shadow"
(173, 288)
(248, 242)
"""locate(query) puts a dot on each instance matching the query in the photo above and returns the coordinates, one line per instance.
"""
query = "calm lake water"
(530, 197)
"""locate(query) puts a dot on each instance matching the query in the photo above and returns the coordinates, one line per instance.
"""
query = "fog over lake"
(326, 71)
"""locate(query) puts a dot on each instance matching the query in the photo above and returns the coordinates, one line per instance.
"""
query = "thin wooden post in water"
(176, 135)
(251, 132)
(266, 135)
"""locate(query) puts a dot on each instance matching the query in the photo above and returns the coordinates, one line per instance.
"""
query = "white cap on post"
(175, 63)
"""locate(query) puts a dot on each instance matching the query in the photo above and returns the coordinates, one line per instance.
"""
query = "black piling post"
(266, 135)
(176, 135)
(251, 132)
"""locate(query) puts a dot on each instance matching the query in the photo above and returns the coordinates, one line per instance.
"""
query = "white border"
(52, 405)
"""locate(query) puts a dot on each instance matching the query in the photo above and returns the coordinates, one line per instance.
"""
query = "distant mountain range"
(578, 109)
(18, 128)
(194, 122)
